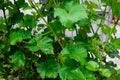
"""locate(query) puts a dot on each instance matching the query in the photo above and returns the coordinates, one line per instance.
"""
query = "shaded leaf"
(19, 36)
(84, 23)
(18, 59)
(57, 27)
(15, 36)
(29, 21)
(48, 69)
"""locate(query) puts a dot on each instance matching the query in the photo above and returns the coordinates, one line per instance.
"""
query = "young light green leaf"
(105, 73)
(77, 12)
(64, 19)
(106, 29)
(18, 59)
(92, 66)
(71, 15)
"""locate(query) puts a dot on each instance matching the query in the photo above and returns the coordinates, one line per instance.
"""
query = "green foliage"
(29, 20)
(19, 36)
(71, 14)
(15, 37)
(78, 53)
(68, 74)
(34, 46)
(48, 69)
(41, 43)
(18, 59)
(92, 66)
(116, 43)
(105, 72)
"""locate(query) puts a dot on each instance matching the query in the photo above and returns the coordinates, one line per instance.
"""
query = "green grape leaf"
(88, 74)
(15, 36)
(116, 43)
(26, 34)
(71, 14)
(77, 74)
(57, 27)
(92, 66)
(105, 72)
(19, 36)
(41, 43)
(69, 74)
(18, 59)
(77, 12)
(84, 23)
(106, 29)
(29, 20)
(77, 52)
(48, 69)
(64, 19)
(32, 45)
(20, 3)
(63, 72)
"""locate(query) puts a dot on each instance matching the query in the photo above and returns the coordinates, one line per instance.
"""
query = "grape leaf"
(15, 36)
(41, 43)
(72, 14)
(77, 52)
(68, 74)
(19, 35)
(105, 72)
(48, 69)
(18, 59)
(92, 66)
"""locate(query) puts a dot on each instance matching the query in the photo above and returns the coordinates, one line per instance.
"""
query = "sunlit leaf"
(92, 66)
(76, 52)
(68, 74)
(41, 43)
(105, 72)
(72, 14)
